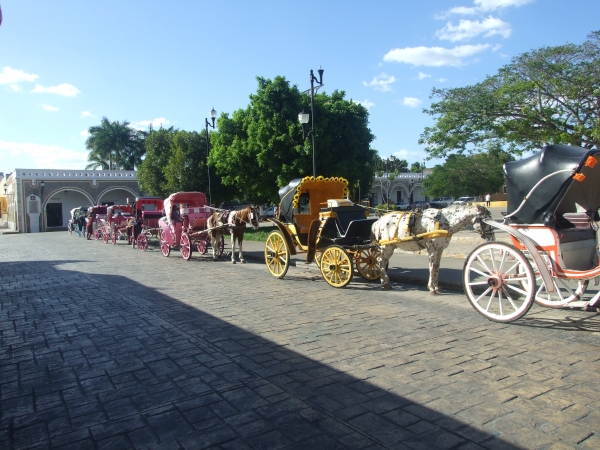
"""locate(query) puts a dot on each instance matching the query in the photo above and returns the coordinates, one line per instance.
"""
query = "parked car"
(402, 206)
(268, 213)
(464, 200)
(420, 204)
(441, 202)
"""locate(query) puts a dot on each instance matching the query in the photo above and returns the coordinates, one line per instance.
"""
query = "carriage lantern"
(5, 188)
(213, 116)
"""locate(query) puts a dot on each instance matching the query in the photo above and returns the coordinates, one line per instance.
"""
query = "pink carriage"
(553, 201)
(118, 221)
(184, 224)
(147, 212)
(98, 213)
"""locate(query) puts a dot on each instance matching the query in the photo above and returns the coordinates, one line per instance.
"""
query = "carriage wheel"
(277, 256)
(165, 248)
(96, 235)
(69, 229)
(105, 237)
(336, 266)
(566, 291)
(366, 263)
(113, 238)
(185, 247)
(142, 242)
(499, 282)
(202, 244)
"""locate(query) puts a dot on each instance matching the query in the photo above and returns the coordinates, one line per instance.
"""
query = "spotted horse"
(429, 230)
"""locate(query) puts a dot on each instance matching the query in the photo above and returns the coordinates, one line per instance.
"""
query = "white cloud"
(381, 83)
(434, 56)
(50, 108)
(411, 102)
(39, 156)
(16, 87)
(9, 76)
(84, 133)
(65, 89)
(468, 29)
(422, 76)
(443, 80)
(156, 123)
(409, 155)
(86, 114)
(366, 103)
(484, 6)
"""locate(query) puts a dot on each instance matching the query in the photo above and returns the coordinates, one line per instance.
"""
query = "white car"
(268, 213)
(464, 200)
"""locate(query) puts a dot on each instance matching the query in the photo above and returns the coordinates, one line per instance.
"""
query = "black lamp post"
(303, 116)
(412, 183)
(213, 116)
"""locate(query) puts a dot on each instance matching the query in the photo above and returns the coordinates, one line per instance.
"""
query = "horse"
(406, 224)
(237, 221)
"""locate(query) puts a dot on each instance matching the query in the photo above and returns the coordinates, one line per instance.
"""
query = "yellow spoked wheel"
(366, 263)
(336, 266)
(318, 256)
(277, 256)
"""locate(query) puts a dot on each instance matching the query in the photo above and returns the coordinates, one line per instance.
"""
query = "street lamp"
(5, 188)
(412, 183)
(303, 116)
(213, 116)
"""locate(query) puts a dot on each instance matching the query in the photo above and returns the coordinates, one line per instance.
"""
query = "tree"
(391, 164)
(151, 173)
(467, 175)
(114, 139)
(260, 148)
(546, 96)
(416, 167)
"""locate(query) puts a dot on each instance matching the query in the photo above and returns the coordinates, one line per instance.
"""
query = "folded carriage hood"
(559, 192)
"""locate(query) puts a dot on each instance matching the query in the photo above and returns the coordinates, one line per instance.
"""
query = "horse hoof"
(386, 287)
(433, 292)
(243, 261)
(232, 262)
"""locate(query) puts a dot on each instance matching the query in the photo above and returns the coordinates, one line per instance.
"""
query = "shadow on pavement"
(97, 361)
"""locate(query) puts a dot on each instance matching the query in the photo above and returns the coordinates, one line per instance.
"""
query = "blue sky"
(66, 63)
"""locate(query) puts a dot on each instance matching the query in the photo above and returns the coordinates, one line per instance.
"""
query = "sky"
(64, 64)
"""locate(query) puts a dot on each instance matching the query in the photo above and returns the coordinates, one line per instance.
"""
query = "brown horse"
(236, 221)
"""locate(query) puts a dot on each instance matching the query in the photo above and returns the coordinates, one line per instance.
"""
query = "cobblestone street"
(105, 347)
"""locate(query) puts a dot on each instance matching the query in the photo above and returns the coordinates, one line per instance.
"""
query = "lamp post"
(42, 184)
(423, 180)
(412, 183)
(303, 116)
(213, 116)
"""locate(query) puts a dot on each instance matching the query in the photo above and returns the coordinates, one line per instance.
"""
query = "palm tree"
(115, 138)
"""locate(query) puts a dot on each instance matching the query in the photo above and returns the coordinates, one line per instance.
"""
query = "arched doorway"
(116, 196)
(58, 206)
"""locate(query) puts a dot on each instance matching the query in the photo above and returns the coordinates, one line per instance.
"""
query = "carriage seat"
(573, 227)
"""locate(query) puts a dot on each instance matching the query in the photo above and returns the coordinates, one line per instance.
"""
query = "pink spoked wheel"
(113, 238)
(142, 242)
(96, 235)
(186, 246)
(165, 248)
(203, 244)
(105, 236)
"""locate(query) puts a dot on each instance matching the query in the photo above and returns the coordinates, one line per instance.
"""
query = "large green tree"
(114, 141)
(261, 148)
(151, 173)
(390, 165)
(546, 96)
(474, 174)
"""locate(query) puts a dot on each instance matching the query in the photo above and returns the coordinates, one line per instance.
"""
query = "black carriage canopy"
(559, 179)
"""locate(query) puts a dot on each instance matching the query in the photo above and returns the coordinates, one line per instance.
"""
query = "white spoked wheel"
(186, 246)
(499, 282)
(566, 291)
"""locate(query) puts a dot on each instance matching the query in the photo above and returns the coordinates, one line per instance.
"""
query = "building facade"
(394, 189)
(39, 200)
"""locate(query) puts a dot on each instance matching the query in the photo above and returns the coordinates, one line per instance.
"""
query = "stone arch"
(115, 188)
(63, 211)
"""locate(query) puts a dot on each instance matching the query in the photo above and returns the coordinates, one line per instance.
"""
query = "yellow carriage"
(315, 217)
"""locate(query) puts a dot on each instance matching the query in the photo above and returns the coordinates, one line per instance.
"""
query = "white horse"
(237, 221)
(399, 225)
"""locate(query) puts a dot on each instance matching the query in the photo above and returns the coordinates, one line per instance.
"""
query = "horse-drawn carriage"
(147, 211)
(118, 223)
(76, 214)
(315, 217)
(553, 201)
(184, 225)
(98, 215)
